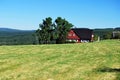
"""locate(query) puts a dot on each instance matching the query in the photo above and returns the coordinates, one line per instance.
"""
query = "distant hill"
(117, 29)
(16, 37)
(14, 30)
(8, 30)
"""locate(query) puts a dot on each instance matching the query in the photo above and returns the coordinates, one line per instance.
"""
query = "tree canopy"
(53, 32)
(62, 27)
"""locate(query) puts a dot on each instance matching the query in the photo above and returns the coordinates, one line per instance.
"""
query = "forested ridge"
(25, 37)
(16, 37)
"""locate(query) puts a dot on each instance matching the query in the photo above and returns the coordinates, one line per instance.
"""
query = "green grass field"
(84, 61)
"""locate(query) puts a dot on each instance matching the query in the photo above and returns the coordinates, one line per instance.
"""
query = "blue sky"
(27, 14)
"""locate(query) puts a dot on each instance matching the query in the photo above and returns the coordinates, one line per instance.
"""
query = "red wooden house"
(80, 35)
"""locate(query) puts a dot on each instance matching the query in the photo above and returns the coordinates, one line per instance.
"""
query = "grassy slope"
(87, 61)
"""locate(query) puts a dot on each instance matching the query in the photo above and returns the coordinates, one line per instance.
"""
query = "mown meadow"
(83, 61)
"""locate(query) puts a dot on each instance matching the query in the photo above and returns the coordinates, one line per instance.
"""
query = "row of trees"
(109, 33)
(53, 32)
(17, 38)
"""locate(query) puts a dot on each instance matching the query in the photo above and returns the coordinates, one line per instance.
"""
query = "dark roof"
(83, 33)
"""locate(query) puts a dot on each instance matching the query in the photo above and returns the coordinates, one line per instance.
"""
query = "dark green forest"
(50, 32)
(103, 33)
(17, 37)
(24, 37)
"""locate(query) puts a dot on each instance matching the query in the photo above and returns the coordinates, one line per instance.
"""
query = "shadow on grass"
(107, 69)
(110, 70)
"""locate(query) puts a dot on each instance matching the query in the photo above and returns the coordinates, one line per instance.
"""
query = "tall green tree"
(44, 31)
(56, 31)
(62, 28)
